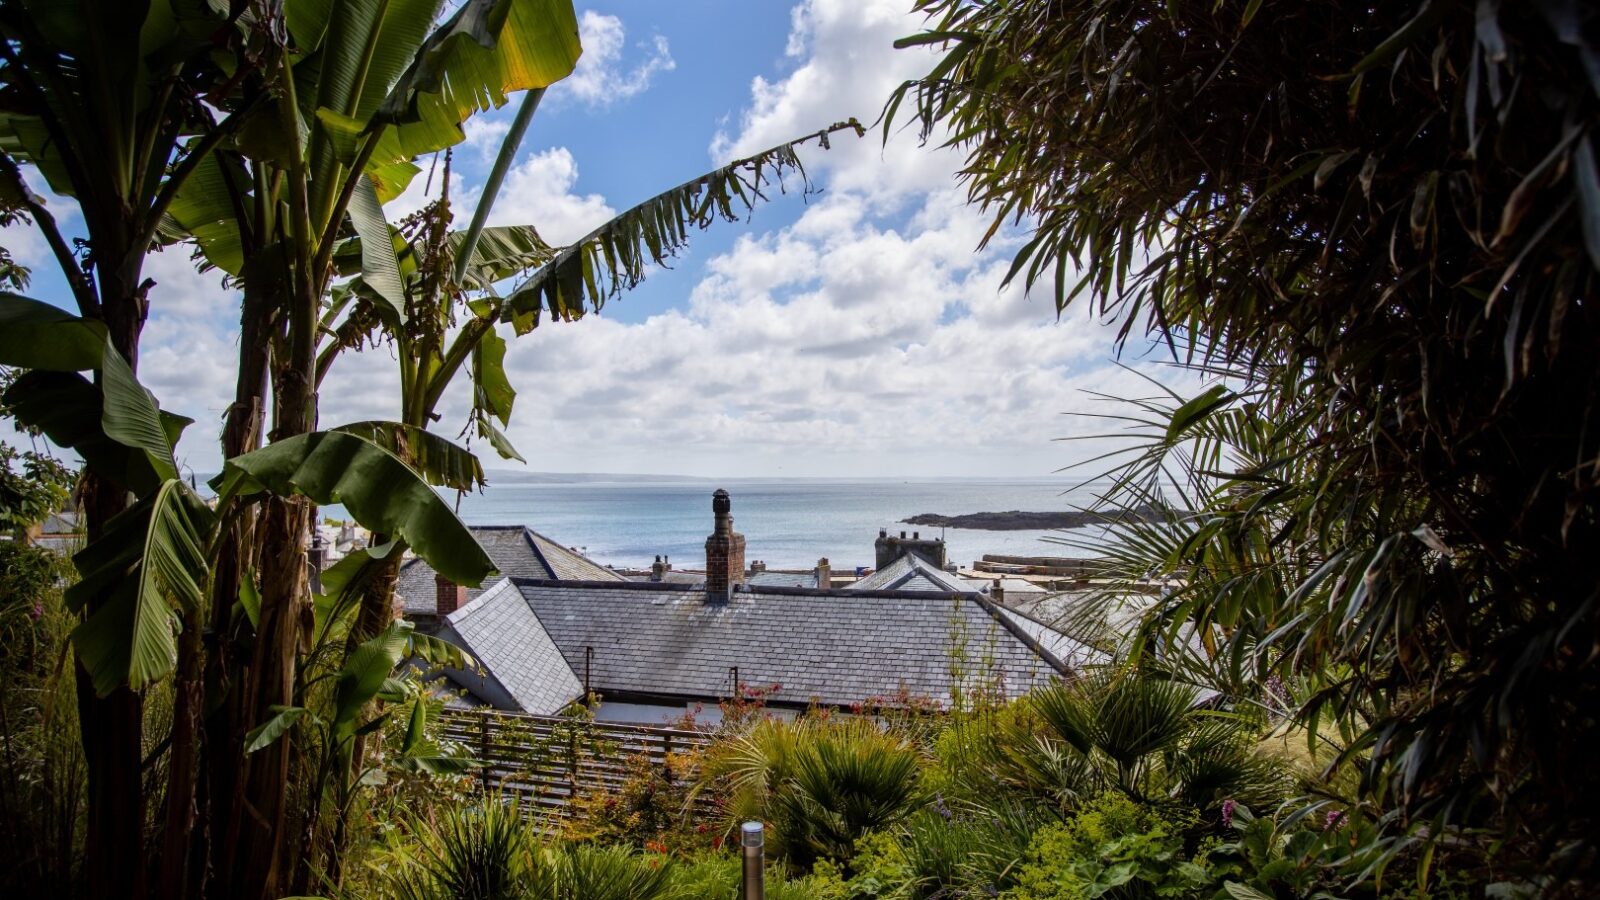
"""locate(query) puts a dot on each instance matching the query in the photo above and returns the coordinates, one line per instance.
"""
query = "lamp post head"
(752, 834)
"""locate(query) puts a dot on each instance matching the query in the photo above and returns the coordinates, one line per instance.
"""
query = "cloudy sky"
(851, 333)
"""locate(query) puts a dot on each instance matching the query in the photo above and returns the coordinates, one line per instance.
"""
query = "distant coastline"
(1017, 520)
(510, 476)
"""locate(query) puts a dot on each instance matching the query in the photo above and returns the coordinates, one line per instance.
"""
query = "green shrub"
(981, 756)
(476, 852)
(713, 876)
(820, 783)
(1144, 735)
(648, 809)
(1112, 847)
(848, 780)
(880, 866)
(716, 876)
(43, 779)
(583, 872)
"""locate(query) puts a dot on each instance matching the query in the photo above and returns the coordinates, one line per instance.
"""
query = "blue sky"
(854, 333)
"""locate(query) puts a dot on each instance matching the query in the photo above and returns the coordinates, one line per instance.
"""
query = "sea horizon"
(788, 521)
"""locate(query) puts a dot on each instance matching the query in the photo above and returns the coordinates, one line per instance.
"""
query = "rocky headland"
(1017, 520)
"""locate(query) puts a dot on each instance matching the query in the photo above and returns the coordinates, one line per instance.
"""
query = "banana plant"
(154, 560)
(106, 101)
(362, 88)
(265, 133)
(446, 323)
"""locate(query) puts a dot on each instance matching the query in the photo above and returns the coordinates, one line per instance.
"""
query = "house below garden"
(652, 651)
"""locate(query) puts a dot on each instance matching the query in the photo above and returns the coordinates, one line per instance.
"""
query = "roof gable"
(502, 631)
(913, 573)
(516, 551)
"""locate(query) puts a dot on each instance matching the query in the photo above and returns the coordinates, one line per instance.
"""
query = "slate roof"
(913, 573)
(664, 641)
(783, 579)
(1073, 653)
(517, 654)
(676, 576)
(516, 551)
(63, 522)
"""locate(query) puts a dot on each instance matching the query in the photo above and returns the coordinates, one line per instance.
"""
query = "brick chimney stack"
(889, 548)
(724, 551)
(824, 573)
(449, 596)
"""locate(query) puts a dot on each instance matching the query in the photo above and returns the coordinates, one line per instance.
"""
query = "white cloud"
(539, 191)
(601, 77)
(485, 131)
(865, 338)
(847, 349)
(846, 67)
(23, 239)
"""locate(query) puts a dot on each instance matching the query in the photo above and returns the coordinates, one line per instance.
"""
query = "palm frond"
(614, 257)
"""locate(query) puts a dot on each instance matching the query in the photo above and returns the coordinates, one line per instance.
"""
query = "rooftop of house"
(913, 573)
(64, 522)
(539, 640)
(516, 551)
(782, 579)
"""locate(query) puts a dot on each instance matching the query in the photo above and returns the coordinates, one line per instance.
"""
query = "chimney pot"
(824, 574)
(724, 550)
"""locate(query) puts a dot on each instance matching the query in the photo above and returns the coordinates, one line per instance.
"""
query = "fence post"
(483, 750)
(572, 763)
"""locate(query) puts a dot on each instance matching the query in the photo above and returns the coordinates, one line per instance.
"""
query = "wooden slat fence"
(547, 760)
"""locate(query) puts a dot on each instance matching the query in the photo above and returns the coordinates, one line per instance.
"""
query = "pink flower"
(1227, 813)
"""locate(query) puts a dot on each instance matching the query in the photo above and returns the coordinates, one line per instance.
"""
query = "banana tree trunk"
(113, 726)
(267, 835)
(221, 804)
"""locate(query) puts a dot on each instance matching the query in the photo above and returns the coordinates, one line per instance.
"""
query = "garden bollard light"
(751, 839)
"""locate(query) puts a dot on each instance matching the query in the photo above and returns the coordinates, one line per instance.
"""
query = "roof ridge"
(1032, 643)
(528, 535)
(780, 590)
(474, 605)
(559, 546)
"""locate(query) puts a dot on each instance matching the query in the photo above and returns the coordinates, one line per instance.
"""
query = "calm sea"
(787, 523)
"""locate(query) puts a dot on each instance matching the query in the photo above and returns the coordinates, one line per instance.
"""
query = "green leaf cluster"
(1112, 847)
(1372, 228)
